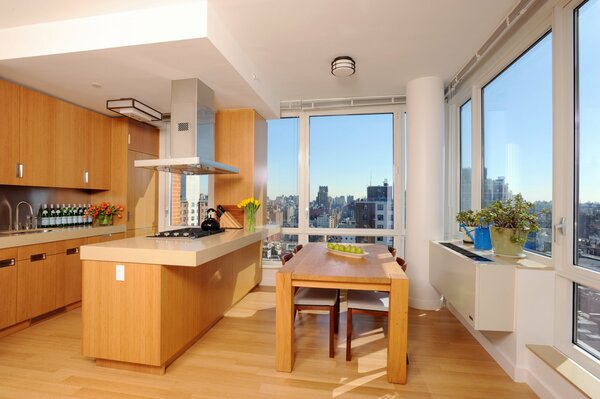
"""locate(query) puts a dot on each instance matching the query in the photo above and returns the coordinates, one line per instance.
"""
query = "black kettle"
(210, 223)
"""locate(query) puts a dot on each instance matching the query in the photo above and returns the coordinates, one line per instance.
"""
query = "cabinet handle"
(20, 170)
(7, 262)
(72, 251)
(38, 257)
(86, 176)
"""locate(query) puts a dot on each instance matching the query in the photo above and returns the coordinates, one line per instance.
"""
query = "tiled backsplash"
(10, 196)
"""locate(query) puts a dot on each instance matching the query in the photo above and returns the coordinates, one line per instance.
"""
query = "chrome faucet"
(27, 225)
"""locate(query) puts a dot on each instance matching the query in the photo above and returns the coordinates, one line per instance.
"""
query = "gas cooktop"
(188, 232)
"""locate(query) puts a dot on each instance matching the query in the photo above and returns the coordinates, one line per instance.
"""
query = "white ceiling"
(28, 12)
(288, 43)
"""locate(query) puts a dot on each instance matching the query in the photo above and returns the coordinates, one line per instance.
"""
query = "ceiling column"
(425, 184)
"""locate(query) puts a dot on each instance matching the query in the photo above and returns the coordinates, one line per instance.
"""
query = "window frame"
(565, 136)
(460, 148)
(303, 230)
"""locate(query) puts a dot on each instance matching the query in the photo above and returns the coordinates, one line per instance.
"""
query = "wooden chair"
(318, 299)
(285, 258)
(402, 263)
(298, 248)
(392, 251)
(373, 303)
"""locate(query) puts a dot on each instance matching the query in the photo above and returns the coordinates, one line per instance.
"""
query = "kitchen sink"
(23, 232)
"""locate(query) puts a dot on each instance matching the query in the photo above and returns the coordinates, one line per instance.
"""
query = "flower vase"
(104, 220)
(250, 224)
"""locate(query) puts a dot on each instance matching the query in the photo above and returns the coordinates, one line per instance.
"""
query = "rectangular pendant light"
(134, 109)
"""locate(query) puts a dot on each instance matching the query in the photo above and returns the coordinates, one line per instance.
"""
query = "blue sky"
(347, 153)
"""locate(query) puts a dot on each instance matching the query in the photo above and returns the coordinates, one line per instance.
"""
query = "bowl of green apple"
(349, 250)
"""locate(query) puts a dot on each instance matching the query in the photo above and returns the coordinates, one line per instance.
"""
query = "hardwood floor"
(236, 359)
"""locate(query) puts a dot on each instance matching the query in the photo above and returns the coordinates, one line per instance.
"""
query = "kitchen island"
(146, 300)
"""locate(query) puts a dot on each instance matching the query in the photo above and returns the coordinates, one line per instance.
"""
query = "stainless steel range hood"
(192, 133)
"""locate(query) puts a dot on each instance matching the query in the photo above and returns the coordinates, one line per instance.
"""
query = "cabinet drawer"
(68, 245)
(29, 251)
(8, 256)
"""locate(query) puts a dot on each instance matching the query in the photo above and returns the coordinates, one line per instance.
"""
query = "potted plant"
(468, 221)
(511, 222)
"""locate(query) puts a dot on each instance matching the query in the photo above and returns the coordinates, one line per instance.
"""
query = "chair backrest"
(392, 250)
(298, 248)
(285, 257)
(402, 263)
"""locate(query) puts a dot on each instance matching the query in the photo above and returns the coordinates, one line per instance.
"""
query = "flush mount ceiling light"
(343, 66)
(134, 109)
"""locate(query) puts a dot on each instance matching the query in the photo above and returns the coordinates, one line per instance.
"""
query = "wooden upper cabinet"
(10, 101)
(142, 193)
(37, 128)
(99, 141)
(71, 146)
(143, 138)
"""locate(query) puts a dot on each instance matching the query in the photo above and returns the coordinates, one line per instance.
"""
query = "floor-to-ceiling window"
(465, 155)
(517, 137)
(333, 177)
(586, 312)
(282, 185)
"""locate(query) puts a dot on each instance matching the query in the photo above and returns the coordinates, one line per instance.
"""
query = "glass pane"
(517, 136)
(465, 156)
(277, 245)
(383, 240)
(347, 154)
(282, 184)
(587, 320)
(588, 136)
(189, 199)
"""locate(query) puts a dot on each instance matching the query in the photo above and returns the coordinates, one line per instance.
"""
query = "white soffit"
(179, 21)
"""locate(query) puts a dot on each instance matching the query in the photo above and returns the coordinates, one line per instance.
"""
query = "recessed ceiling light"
(96, 85)
(343, 66)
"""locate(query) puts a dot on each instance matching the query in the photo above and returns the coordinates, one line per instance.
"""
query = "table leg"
(284, 322)
(397, 329)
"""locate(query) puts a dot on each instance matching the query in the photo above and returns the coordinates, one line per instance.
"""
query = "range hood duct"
(192, 133)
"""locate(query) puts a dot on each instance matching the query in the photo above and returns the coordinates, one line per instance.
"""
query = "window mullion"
(303, 173)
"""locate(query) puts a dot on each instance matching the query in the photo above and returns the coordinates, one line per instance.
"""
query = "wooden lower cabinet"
(36, 277)
(68, 272)
(146, 321)
(104, 238)
(8, 287)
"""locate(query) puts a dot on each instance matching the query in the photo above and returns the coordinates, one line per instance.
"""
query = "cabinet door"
(143, 138)
(10, 101)
(99, 139)
(142, 194)
(36, 281)
(8, 287)
(71, 146)
(68, 270)
(37, 129)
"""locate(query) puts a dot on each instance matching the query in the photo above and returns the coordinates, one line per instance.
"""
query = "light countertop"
(176, 251)
(58, 234)
(519, 263)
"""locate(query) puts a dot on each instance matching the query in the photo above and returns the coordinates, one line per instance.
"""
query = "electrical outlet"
(120, 272)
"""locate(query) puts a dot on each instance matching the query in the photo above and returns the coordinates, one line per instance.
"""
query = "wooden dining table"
(316, 266)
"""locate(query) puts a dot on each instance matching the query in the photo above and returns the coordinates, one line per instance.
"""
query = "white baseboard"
(424, 304)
